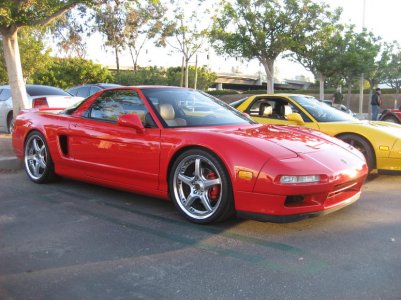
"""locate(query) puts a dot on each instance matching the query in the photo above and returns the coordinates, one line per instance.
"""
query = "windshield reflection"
(322, 112)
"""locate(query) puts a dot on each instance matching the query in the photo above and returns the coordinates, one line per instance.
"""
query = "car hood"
(297, 140)
(385, 127)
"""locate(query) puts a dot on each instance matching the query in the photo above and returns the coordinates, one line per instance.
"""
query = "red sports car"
(391, 115)
(184, 145)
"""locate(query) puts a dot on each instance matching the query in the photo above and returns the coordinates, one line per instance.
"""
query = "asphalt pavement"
(8, 161)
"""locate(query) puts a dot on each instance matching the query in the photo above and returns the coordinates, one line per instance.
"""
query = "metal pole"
(196, 71)
(362, 75)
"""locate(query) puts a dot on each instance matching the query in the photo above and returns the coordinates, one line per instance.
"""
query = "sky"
(381, 17)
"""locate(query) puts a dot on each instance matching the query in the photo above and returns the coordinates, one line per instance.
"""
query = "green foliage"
(34, 56)
(65, 73)
(162, 76)
(33, 12)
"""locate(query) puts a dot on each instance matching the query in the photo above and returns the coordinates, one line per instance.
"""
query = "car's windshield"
(321, 111)
(69, 110)
(185, 107)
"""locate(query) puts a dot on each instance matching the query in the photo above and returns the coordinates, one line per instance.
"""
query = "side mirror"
(295, 117)
(131, 121)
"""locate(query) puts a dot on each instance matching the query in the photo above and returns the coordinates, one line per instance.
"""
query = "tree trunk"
(269, 69)
(321, 86)
(117, 60)
(186, 73)
(14, 70)
(349, 84)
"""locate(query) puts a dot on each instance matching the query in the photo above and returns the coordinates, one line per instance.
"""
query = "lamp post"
(362, 75)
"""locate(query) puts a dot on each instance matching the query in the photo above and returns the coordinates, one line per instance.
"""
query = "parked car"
(391, 115)
(38, 96)
(89, 89)
(380, 142)
(342, 107)
(211, 163)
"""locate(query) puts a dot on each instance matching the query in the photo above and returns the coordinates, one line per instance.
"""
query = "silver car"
(38, 96)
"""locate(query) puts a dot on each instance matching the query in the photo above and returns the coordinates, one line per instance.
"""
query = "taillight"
(39, 102)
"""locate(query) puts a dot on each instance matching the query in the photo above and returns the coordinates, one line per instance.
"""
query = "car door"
(112, 153)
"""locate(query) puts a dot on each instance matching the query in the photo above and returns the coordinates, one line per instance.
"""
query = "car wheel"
(362, 145)
(391, 119)
(37, 160)
(200, 187)
(10, 122)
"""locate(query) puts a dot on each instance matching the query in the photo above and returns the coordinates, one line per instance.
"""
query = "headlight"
(290, 179)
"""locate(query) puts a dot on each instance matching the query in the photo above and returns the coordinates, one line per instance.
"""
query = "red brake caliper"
(213, 192)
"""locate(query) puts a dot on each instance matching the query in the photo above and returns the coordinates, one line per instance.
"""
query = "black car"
(89, 89)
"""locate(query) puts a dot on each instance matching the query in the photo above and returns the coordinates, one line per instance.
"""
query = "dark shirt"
(375, 99)
(338, 98)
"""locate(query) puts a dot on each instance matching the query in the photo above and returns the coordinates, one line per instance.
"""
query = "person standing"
(375, 103)
(337, 99)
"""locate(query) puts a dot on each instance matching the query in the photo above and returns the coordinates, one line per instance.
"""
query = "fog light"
(289, 179)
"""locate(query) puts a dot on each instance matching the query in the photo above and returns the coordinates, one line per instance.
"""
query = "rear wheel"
(391, 119)
(37, 160)
(362, 145)
(200, 187)
(10, 122)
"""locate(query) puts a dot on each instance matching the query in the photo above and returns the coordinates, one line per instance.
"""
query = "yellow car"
(380, 142)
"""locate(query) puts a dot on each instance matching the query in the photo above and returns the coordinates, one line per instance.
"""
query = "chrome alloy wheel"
(197, 187)
(36, 157)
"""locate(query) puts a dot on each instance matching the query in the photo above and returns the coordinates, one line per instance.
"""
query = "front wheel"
(362, 145)
(37, 160)
(200, 187)
(391, 119)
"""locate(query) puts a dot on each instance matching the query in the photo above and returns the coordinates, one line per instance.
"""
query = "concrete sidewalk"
(8, 160)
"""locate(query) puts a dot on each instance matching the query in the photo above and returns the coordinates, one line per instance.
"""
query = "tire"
(391, 119)
(200, 187)
(37, 160)
(362, 145)
(10, 122)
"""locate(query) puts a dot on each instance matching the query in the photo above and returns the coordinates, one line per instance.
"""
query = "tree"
(69, 30)
(379, 71)
(392, 70)
(319, 53)
(67, 72)
(143, 22)
(262, 30)
(184, 31)
(34, 55)
(110, 21)
(357, 55)
(25, 13)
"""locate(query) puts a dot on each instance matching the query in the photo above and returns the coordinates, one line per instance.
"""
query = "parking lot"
(72, 240)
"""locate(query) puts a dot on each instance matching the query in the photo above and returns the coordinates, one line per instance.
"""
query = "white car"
(38, 96)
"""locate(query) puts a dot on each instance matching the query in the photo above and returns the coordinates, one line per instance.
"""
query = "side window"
(93, 90)
(298, 111)
(112, 104)
(272, 108)
(83, 92)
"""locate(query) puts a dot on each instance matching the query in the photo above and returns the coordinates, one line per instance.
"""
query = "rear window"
(45, 90)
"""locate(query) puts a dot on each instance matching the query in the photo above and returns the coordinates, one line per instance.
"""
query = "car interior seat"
(167, 112)
(265, 110)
